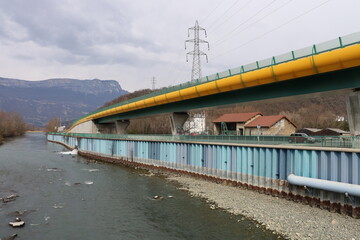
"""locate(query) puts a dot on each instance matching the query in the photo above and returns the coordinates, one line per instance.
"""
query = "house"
(332, 132)
(309, 131)
(235, 122)
(195, 123)
(270, 126)
(254, 123)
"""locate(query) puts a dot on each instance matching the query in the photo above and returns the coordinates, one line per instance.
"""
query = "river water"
(66, 197)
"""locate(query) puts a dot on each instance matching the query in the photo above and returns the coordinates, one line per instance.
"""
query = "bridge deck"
(336, 55)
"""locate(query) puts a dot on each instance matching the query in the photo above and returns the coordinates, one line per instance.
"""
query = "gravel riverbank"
(290, 219)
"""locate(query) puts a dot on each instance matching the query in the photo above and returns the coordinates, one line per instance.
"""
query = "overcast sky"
(131, 41)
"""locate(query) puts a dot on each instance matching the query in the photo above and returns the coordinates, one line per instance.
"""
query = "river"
(66, 197)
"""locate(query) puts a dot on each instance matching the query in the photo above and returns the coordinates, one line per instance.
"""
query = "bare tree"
(11, 124)
(52, 125)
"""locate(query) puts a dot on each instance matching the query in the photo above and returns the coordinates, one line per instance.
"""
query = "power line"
(272, 12)
(274, 29)
(241, 24)
(236, 1)
(242, 8)
(171, 75)
(153, 82)
(217, 6)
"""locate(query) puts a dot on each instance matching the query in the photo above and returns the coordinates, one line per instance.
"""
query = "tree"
(11, 124)
(52, 125)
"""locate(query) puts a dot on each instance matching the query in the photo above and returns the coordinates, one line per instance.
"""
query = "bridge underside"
(348, 79)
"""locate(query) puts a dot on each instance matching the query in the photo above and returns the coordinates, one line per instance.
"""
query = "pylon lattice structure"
(196, 67)
(153, 82)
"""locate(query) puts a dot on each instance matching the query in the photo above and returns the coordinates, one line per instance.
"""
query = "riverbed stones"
(334, 222)
(12, 237)
(20, 213)
(156, 197)
(287, 218)
(9, 198)
(18, 223)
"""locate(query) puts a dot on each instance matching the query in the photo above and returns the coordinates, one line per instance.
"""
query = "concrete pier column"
(353, 111)
(177, 120)
(121, 126)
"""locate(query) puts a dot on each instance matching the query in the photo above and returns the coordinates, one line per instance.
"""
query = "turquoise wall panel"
(252, 164)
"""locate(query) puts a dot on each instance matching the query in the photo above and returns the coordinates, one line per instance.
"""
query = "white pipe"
(332, 186)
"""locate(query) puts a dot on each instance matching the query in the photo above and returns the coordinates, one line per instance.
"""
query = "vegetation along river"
(65, 197)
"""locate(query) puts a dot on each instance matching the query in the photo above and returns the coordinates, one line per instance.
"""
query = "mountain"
(69, 99)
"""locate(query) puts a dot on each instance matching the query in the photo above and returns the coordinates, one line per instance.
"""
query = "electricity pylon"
(153, 82)
(196, 67)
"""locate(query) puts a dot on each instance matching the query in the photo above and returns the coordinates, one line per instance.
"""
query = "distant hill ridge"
(95, 85)
(40, 101)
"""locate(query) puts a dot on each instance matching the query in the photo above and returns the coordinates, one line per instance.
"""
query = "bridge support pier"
(121, 126)
(177, 120)
(353, 111)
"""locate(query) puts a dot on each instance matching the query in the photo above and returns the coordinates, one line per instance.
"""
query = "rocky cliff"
(69, 99)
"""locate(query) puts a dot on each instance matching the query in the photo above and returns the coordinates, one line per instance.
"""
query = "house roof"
(267, 121)
(311, 129)
(236, 117)
(336, 130)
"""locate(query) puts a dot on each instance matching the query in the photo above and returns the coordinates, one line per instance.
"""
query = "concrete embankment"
(288, 218)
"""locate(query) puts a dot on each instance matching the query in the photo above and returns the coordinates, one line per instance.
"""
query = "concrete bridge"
(332, 67)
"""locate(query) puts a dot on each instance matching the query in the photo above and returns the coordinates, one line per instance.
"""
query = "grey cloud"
(57, 24)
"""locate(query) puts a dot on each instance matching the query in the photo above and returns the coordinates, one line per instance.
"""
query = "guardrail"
(314, 141)
(337, 43)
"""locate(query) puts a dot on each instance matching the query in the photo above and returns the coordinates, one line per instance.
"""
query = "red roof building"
(237, 117)
(270, 126)
(254, 124)
(234, 122)
(267, 121)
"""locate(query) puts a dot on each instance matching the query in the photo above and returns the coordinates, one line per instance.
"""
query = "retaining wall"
(262, 168)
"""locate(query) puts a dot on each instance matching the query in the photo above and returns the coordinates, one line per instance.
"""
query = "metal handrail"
(315, 141)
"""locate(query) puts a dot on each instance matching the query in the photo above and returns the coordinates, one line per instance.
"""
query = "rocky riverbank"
(290, 219)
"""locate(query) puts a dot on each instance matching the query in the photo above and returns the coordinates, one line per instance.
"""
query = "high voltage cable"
(258, 12)
(272, 30)
(242, 7)
(270, 13)
(170, 75)
(203, 20)
(236, 1)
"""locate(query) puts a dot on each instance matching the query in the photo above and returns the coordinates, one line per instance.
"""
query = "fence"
(328, 141)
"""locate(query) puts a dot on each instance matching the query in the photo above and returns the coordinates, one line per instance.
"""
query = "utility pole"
(196, 67)
(153, 81)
